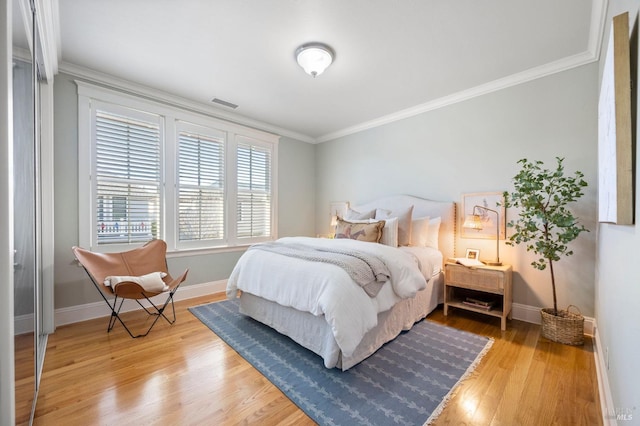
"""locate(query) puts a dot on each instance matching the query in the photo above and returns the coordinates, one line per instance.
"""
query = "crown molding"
(49, 43)
(483, 89)
(592, 54)
(598, 23)
(564, 64)
(49, 30)
(109, 81)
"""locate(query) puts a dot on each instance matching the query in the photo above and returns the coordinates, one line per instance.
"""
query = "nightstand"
(485, 289)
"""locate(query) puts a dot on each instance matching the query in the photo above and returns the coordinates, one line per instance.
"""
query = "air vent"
(224, 103)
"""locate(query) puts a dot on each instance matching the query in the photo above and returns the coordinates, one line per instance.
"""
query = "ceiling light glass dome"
(314, 58)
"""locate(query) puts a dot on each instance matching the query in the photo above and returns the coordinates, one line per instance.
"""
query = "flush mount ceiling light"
(314, 58)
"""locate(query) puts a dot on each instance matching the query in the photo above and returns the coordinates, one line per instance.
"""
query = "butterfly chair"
(133, 274)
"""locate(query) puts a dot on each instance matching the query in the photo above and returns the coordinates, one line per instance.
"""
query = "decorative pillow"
(389, 232)
(434, 232)
(404, 223)
(420, 231)
(356, 215)
(371, 232)
(149, 282)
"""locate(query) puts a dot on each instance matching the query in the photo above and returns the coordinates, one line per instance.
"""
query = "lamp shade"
(473, 221)
(314, 58)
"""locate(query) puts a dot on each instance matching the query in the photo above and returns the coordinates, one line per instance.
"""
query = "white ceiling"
(393, 57)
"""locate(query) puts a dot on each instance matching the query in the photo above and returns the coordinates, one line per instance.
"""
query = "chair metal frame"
(159, 312)
(136, 262)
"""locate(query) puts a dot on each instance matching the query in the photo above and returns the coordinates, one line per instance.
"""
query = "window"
(127, 178)
(254, 190)
(201, 184)
(148, 170)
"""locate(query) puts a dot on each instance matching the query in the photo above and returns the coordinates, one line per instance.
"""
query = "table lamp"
(474, 221)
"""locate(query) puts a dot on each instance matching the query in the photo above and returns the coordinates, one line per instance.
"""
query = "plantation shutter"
(128, 179)
(201, 195)
(254, 191)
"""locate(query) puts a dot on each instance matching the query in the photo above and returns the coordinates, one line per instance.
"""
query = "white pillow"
(150, 282)
(404, 223)
(352, 215)
(419, 231)
(389, 232)
(425, 232)
(434, 232)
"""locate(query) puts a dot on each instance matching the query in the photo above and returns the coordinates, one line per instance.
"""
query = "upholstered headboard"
(421, 208)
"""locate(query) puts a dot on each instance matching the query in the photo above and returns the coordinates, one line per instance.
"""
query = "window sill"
(204, 251)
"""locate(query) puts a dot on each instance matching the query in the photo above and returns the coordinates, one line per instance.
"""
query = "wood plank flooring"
(185, 375)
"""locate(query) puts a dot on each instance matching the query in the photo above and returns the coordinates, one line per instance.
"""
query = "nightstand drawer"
(475, 278)
(486, 290)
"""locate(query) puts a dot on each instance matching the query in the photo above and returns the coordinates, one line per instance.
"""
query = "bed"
(321, 307)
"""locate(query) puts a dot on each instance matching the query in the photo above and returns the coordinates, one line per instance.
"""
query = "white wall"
(617, 283)
(473, 146)
(296, 184)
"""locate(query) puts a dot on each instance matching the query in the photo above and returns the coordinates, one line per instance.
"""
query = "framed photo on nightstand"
(473, 254)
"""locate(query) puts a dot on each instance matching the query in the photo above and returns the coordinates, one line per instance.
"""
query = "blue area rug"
(405, 382)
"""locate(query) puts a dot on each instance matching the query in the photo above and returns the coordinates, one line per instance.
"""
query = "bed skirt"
(314, 333)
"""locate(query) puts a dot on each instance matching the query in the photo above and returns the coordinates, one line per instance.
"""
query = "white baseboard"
(526, 313)
(72, 314)
(23, 324)
(531, 314)
(606, 399)
(89, 311)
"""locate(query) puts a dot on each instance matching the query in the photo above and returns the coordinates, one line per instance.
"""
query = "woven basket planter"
(566, 327)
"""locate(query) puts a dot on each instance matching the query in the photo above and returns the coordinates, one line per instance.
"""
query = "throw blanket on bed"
(367, 270)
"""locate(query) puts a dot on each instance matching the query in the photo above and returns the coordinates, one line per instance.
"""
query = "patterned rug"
(406, 382)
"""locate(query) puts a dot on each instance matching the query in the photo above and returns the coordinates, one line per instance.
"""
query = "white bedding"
(326, 289)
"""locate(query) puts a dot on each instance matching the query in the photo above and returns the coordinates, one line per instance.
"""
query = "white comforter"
(326, 289)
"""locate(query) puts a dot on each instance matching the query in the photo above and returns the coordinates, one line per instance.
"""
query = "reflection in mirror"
(24, 237)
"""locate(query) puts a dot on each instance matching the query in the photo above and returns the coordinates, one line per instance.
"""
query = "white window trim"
(88, 93)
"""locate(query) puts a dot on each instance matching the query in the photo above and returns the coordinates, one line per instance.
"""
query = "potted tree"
(547, 227)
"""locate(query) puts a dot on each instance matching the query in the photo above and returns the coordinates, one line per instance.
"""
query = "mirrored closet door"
(33, 294)
(25, 271)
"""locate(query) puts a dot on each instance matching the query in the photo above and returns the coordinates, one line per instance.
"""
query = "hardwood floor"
(185, 375)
